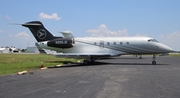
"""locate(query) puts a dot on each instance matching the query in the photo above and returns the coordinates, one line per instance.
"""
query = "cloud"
(171, 40)
(46, 16)
(23, 36)
(172, 36)
(7, 17)
(102, 31)
(1, 31)
(139, 35)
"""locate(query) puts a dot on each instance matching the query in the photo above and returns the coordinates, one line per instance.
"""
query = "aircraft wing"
(81, 55)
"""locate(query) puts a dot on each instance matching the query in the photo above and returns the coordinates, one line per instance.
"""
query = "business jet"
(92, 48)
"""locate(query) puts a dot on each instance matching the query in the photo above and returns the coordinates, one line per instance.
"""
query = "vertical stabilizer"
(39, 31)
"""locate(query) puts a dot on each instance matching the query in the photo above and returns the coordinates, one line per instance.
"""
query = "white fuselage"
(91, 49)
(113, 45)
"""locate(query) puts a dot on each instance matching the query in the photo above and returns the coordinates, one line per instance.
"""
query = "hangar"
(4, 50)
(32, 50)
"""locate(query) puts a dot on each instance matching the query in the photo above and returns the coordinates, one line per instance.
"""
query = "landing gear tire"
(154, 62)
(85, 62)
(92, 60)
(140, 57)
(154, 59)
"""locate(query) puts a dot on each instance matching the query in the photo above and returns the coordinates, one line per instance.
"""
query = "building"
(15, 50)
(38, 49)
(4, 50)
(32, 50)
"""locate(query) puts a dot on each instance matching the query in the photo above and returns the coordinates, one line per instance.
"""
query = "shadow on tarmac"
(102, 63)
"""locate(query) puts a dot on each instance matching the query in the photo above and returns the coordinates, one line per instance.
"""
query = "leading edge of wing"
(81, 54)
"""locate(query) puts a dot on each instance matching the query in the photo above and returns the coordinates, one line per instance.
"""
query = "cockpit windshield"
(152, 40)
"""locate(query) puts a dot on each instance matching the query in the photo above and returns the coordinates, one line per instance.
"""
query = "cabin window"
(114, 43)
(108, 43)
(121, 43)
(127, 43)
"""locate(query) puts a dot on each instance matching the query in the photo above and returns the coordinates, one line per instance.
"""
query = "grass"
(13, 63)
(175, 54)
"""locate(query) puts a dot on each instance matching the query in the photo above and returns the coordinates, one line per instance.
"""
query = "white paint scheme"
(87, 49)
(137, 45)
(92, 48)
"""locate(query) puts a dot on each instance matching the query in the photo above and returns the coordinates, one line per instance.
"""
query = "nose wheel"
(154, 59)
(154, 62)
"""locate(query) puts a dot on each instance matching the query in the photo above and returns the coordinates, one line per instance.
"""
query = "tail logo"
(41, 34)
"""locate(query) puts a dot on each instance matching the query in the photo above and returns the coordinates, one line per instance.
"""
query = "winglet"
(67, 34)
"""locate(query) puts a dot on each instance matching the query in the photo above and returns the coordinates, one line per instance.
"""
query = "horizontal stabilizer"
(15, 23)
(31, 24)
(26, 24)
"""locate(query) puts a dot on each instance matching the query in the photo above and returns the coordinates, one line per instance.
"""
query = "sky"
(159, 19)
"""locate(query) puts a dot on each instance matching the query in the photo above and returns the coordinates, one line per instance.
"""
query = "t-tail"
(39, 31)
(42, 34)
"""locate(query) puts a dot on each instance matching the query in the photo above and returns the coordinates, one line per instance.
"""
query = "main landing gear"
(88, 60)
(154, 58)
(140, 56)
(85, 62)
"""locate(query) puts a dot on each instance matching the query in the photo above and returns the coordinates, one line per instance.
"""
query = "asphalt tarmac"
(122, 77)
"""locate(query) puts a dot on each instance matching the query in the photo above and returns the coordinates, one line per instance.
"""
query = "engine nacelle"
(61, 43)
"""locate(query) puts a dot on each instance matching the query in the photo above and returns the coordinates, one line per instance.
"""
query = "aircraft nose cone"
(170, 49)
(166, 48)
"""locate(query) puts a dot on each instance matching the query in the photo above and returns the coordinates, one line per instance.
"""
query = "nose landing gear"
(154, 58)
(154, 62)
